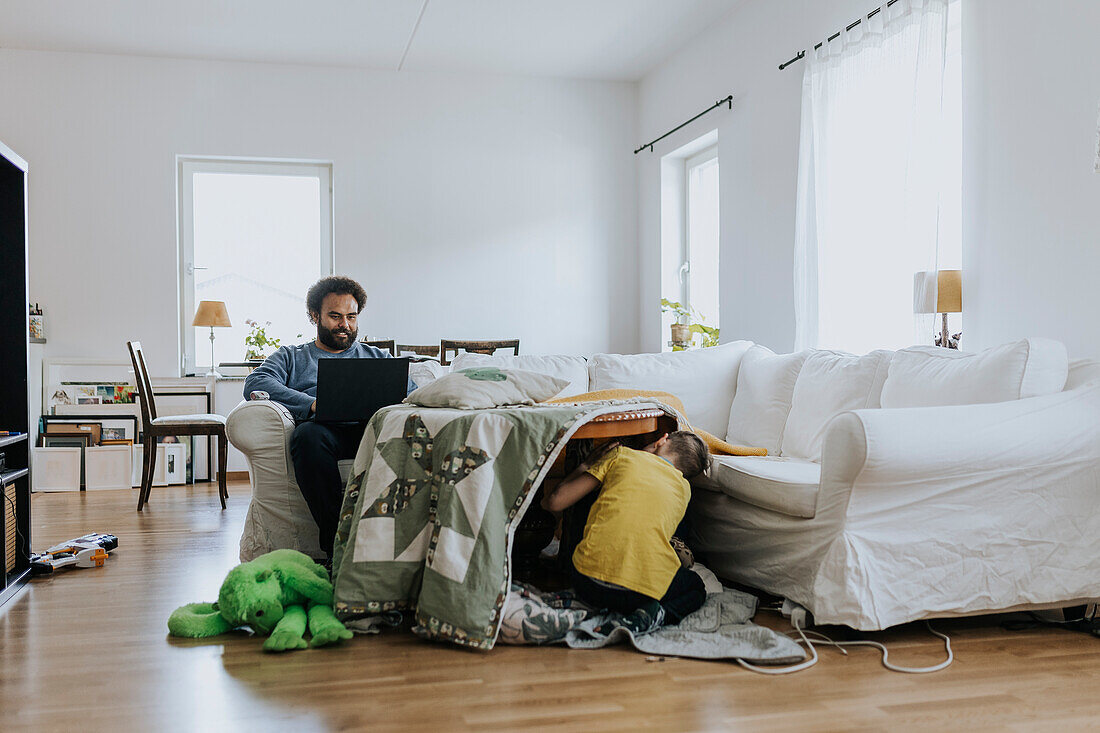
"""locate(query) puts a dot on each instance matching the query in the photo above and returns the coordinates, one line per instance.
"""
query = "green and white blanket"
(430, 507)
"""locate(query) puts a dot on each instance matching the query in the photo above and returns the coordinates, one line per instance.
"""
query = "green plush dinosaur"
(270, 594)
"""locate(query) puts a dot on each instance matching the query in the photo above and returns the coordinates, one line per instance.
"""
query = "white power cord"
(798, 618)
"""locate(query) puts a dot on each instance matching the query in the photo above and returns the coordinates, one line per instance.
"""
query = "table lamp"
(945, 298)
(212, 313)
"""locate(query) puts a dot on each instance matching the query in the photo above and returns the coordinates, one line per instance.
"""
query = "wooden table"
(537, 527)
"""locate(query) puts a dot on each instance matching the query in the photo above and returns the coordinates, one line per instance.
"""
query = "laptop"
(352, 390)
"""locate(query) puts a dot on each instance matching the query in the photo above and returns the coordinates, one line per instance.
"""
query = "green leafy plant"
(708, 335)
(683, 315)
(257, 342)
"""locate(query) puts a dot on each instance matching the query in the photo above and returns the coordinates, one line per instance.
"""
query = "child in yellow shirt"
(624, 560)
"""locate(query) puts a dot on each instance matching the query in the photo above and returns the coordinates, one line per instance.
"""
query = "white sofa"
(899, 485)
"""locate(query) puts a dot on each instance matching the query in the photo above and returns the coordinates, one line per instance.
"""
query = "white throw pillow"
(929, 376)
(423, 373)
(488, 386)
(765, 386)
(573, 369)
(703, 379)
(831, 382)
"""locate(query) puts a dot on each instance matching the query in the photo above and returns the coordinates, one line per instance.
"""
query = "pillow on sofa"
(423, 373)
(488, 386)
(831, 382)
(573, 369)
(929, 376)
(765, 386)
(703, 379)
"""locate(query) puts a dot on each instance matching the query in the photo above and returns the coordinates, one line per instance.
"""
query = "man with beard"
(289, 377)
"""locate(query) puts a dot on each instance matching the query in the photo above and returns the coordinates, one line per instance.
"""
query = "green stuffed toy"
(271, 595)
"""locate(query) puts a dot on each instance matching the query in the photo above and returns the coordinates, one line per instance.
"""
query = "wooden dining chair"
(153, 427)
(431, 350)
(474, 347)
(387, 345)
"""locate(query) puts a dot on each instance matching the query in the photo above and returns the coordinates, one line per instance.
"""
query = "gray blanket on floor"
(721, 629)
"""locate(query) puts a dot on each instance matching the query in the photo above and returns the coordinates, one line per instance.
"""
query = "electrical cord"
(798, 617)
(15, 515)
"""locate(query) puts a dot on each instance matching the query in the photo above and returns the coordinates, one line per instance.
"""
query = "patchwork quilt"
(430, 507)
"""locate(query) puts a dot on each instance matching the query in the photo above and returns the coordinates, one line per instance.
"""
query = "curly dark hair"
(338, 284)
(689, 453)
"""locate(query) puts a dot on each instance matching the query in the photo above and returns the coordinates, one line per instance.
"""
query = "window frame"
(186, 168)
(704, 157)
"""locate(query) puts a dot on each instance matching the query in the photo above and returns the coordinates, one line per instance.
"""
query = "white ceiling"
(590, 39)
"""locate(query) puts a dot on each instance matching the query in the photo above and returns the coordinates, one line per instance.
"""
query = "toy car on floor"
(83, 552)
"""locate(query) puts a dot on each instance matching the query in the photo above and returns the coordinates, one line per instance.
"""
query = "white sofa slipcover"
(910, 513)
(924, 512)
(277, 516)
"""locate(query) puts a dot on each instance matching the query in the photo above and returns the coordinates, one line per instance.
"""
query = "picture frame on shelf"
(187, 443)
(174, 462)
(93, 430)
(160, 474)
(77, 442)
(56, 468)
(125, 426)
(107, 467)
(112, 434)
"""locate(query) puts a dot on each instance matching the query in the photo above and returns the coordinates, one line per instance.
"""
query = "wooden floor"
(88, 650)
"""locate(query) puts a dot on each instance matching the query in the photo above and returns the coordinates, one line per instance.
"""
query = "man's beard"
(334, 339)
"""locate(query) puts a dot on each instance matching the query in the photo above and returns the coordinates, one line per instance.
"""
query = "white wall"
(757, 155)
(1031, 201)
(470, 206)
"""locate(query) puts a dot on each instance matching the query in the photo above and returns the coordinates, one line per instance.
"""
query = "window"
(690, 233)
(255, 234)
(701, 238)
(879, 193)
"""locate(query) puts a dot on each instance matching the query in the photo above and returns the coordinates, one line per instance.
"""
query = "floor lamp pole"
(213, 372)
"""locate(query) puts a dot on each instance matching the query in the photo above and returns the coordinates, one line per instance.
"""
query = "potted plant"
(683, 329)
(257, 342)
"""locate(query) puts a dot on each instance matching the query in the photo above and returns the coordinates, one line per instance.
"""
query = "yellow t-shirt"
(626, 537)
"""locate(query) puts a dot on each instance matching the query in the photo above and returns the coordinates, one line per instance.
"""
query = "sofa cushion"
(1082, 372)
(930, 376)
(785, 485)
(765, 385)
(423, 373)
(573, 369)
(703, 379)
(477, 388)
(830, 382)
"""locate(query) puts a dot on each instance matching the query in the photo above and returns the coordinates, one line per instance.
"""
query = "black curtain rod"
(802, 53)
(728, 100)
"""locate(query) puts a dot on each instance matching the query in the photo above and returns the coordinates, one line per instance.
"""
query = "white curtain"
(874, 166)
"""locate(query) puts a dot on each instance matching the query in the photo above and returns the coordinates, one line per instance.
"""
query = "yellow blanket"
(714, 445)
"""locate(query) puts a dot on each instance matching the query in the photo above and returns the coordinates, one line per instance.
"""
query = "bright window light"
(256, 236)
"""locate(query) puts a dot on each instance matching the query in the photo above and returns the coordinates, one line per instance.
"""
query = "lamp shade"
(212, 313)
(943, 294)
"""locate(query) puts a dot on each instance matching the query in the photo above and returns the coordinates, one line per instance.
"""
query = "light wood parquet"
(88, 649)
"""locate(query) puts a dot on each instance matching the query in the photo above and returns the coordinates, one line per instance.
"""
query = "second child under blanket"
(714, 444)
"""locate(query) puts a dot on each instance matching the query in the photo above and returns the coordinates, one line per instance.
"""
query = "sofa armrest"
(255, 426)
(967, 457)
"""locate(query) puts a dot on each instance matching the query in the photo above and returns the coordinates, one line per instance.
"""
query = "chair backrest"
(144, 386)
(419, 350)
(388, 345)
(474, 347)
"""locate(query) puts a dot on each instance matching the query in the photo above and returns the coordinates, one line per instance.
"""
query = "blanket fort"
(430, 506)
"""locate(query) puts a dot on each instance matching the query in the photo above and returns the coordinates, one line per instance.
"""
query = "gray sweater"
(289, 376)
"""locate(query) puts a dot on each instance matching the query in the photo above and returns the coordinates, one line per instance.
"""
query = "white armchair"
(278, 516)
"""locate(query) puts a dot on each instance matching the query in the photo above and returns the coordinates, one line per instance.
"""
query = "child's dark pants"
(685, 594)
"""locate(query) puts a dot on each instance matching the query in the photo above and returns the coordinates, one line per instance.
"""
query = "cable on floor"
(799, 617)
